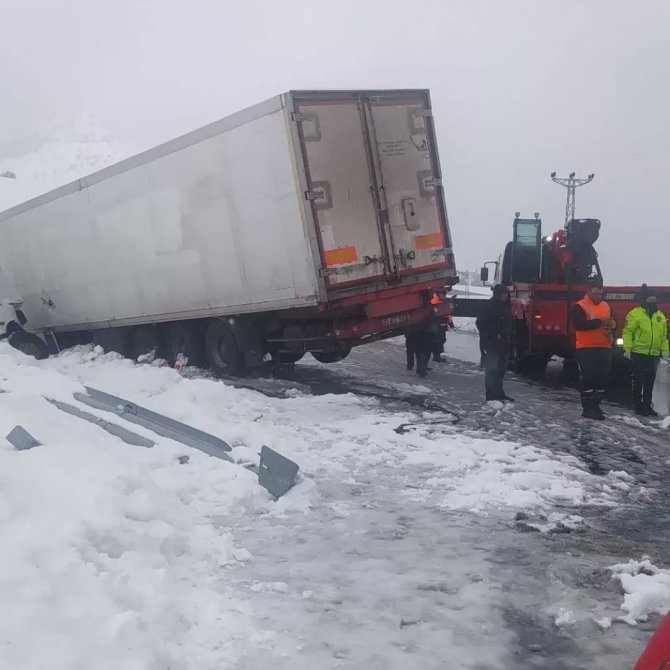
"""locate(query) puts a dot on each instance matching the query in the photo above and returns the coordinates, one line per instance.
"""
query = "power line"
(571, 183)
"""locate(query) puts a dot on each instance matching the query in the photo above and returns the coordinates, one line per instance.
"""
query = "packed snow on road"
(408, 541)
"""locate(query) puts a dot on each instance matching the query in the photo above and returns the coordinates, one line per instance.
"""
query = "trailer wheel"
(185, 339)
(331, 356)
(29, 344)
(143, 342)
(224, 355)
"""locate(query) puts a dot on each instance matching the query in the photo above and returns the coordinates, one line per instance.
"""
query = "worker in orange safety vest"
(594, 325)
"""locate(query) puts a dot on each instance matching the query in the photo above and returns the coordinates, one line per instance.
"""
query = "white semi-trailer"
(312, 222)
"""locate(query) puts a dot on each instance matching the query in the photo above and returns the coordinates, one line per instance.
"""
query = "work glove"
(627, 355)
(664, 356)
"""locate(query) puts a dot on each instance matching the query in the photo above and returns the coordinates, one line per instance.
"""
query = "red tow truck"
(546, 275)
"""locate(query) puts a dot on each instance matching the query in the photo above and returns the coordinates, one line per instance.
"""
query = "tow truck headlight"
(619, 342)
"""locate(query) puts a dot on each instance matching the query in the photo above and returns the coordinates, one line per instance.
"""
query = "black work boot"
(593, 413)
(590, 408)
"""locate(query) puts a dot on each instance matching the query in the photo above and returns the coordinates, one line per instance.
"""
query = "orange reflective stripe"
(341, 255)
(429, 241)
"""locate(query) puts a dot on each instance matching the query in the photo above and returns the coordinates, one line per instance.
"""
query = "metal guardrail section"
(112, 428)
(276, 473)
(21, 439)
(157, 423)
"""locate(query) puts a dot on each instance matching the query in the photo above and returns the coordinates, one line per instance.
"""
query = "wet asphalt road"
(546, 414)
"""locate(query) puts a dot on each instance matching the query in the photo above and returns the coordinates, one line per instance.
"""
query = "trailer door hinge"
(328, 272)
(298, 117)
(433, 182)
(315, 195)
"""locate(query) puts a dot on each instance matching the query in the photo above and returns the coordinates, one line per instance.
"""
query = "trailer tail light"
(540, 328)
(557, 329)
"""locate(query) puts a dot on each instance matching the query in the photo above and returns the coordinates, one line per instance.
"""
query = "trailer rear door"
(406, 156)
(339, 182)
(374, 184)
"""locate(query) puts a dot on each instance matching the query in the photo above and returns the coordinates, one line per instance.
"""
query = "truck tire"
(143, 340)
(29, 344)
(224, 356)
(185, 339)
(331, 356)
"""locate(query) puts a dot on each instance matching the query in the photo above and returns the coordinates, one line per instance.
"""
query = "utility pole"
(571, 183)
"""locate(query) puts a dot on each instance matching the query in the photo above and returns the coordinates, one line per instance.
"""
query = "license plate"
(394, 320)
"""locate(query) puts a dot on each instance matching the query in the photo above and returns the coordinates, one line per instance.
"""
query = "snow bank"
(646, 589)
(113, 556)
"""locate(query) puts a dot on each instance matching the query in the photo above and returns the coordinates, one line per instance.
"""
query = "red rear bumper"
(388, 317)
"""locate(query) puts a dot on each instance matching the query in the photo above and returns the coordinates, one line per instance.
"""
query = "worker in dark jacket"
(495, 332)
(419, 342)
(594, 325)
(645, 342)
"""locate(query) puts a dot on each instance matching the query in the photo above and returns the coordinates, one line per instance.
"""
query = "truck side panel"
(215, 227)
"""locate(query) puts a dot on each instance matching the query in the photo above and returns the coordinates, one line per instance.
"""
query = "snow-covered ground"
(127, 557)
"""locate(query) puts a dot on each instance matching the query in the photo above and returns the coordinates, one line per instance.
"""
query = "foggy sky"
(520, 88)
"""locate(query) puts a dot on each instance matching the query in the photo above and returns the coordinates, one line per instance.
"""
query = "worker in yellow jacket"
(645, 342)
